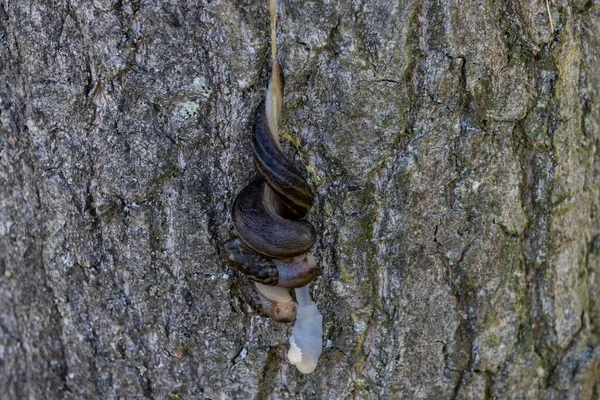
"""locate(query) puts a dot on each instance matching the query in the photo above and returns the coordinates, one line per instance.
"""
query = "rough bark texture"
(452, 145)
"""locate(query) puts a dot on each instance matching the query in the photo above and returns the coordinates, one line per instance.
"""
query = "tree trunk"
(452, 146)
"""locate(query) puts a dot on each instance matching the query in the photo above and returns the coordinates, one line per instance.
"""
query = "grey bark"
(452, 145)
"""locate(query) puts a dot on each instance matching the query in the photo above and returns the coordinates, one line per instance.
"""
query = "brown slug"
(269, 238)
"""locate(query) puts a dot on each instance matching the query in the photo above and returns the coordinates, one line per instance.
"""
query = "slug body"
(270, 239)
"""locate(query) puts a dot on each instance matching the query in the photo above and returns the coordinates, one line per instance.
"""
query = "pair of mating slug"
(269, 238)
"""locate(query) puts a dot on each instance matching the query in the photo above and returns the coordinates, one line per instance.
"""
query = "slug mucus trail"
(269, 237)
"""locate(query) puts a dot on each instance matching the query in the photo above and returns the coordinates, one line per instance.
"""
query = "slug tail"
(276, 83)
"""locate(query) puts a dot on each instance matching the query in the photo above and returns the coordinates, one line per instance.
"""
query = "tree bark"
(452, 146)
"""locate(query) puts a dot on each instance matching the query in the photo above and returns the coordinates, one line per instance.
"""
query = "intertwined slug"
(269, 238)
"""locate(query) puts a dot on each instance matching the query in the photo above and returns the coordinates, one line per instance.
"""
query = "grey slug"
(269, 238)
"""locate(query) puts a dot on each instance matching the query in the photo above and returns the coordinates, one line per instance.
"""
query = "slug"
(270, 239)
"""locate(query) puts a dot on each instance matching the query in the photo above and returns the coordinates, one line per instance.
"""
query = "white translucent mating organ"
(306, 342)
